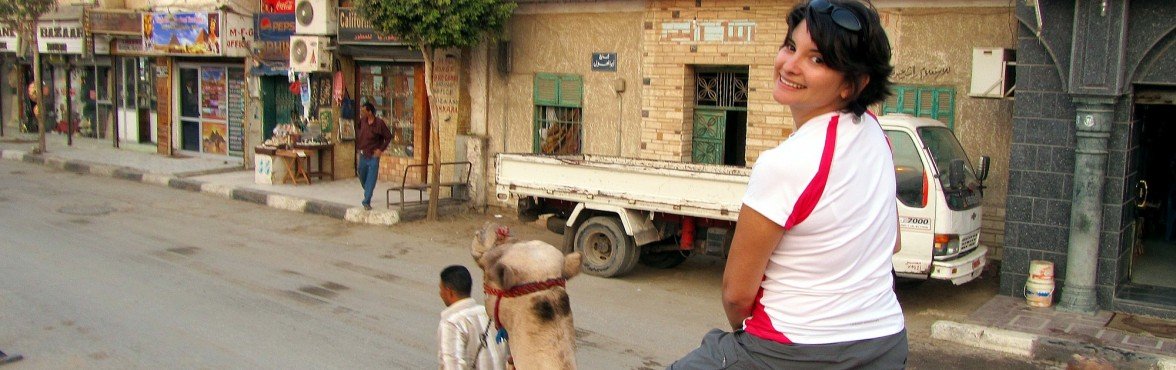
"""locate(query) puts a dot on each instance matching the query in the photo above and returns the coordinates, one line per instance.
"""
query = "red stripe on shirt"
(760, 324)
(812, 193)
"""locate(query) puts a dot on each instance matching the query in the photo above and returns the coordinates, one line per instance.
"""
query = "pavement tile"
(1029, 322)
(1149, 343)
(1111, 337)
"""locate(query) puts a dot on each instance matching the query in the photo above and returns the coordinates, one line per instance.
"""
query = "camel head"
(526, 296)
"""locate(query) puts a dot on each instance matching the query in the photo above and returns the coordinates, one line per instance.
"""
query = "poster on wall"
(212, 93)
(189, 33)
(212, 138)
(236, 111)
(346, 129)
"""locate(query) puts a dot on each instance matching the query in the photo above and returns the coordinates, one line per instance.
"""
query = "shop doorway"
(720, 116)
(1153, 254)
(278, 103)
(136, 92)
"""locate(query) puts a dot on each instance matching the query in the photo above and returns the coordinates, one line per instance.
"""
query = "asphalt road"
(104, 273)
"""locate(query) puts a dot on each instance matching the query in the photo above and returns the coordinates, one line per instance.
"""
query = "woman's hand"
(756, 237)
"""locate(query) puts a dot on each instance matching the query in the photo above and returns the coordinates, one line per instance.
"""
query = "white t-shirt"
(829, 280)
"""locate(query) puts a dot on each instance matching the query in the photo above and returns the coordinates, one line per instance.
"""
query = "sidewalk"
(219, 175)
(1008, 324)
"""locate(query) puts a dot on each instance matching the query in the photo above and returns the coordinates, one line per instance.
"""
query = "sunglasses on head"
(843, 17)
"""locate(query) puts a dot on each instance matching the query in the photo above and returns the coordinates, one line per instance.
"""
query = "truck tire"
(605, 249)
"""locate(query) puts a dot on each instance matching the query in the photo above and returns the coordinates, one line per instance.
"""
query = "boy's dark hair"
(457, 278)
(865, 52)
(370, 108)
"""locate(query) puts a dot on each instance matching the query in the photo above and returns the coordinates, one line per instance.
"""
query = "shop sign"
(188, 33)
(278, 51)
(128, 47)
(354, 29)
(9, 41)
(115, 23)
(275, 27)
(60, 37)
(277, 6)
(239, 35)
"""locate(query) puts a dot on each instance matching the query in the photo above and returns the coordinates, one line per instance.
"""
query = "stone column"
(1090, 162)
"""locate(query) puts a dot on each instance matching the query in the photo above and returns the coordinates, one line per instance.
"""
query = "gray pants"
(739, 350)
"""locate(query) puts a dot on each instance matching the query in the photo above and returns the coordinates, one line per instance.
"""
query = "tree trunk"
(434, 177)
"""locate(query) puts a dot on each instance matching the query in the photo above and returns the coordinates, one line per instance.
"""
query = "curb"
(1041, 348)
(179, 181)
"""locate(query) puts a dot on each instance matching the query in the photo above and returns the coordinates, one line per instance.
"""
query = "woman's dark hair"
(457, 278)
(370, 108)
(855, 54)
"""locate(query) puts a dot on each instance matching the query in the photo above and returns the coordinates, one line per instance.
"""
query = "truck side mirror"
(985, 162)
(955, 174)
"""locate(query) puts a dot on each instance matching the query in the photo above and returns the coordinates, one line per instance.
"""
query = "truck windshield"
(964, 193)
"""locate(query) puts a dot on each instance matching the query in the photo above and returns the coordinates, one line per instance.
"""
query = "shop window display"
(390, 88)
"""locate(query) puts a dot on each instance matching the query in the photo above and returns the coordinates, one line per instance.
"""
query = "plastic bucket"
(1039, 294)
(1041, 271)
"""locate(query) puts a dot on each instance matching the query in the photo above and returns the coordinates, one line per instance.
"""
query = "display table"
(322, 150)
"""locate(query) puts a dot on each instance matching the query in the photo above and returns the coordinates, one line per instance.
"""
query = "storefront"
(119, 91)
(206, 77)
(388, 74)
(60, 41)
(11, 81)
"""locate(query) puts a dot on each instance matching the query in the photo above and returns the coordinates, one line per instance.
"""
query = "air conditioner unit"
(316, 17)
(310, 54)
(993, 73)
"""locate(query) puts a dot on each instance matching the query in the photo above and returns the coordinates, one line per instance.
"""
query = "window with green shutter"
(558, 113)
(935, 102)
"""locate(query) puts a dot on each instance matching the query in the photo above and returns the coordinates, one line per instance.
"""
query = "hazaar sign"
(60, 37)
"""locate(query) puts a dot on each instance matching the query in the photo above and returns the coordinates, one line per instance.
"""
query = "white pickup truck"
(619, 211)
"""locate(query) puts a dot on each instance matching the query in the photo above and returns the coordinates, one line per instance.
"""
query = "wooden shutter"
(571, 91)
(546, 89)
(945, 106)
(902, 100)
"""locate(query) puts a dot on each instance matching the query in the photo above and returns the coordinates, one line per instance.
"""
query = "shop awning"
(381, 53)
(270, 68)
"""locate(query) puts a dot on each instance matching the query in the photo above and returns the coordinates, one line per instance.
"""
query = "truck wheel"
(663, 260)
(604, 247)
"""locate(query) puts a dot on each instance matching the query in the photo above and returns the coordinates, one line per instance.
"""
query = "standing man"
(462, 341)
(373, 137)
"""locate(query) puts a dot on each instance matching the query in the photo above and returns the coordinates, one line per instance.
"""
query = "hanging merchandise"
(305, 87)
(338, 93)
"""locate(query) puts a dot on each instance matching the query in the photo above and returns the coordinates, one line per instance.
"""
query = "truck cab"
(939, 195)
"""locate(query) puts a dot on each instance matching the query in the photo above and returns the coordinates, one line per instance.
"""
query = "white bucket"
(1041, 271)
(1039, 294)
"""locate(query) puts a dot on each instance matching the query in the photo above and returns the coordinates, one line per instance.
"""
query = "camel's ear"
(506, 276)
(484, 239)
(571, 266)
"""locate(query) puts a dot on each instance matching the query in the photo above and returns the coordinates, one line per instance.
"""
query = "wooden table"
(320, 172)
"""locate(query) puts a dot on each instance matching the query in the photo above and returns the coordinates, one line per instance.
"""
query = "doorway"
(1153, 254)
(720, 115)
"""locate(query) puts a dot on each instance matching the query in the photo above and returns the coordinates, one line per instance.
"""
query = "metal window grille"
(557, 130)
(721, 89)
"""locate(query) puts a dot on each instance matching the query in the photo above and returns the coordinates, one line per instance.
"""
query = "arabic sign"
(9, 41)
(277, 6)
(115, 23)
(192, 33)
(354, 29)
(59, 37)
(604, 62)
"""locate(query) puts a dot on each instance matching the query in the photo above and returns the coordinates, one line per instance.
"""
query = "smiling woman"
(810, 261)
